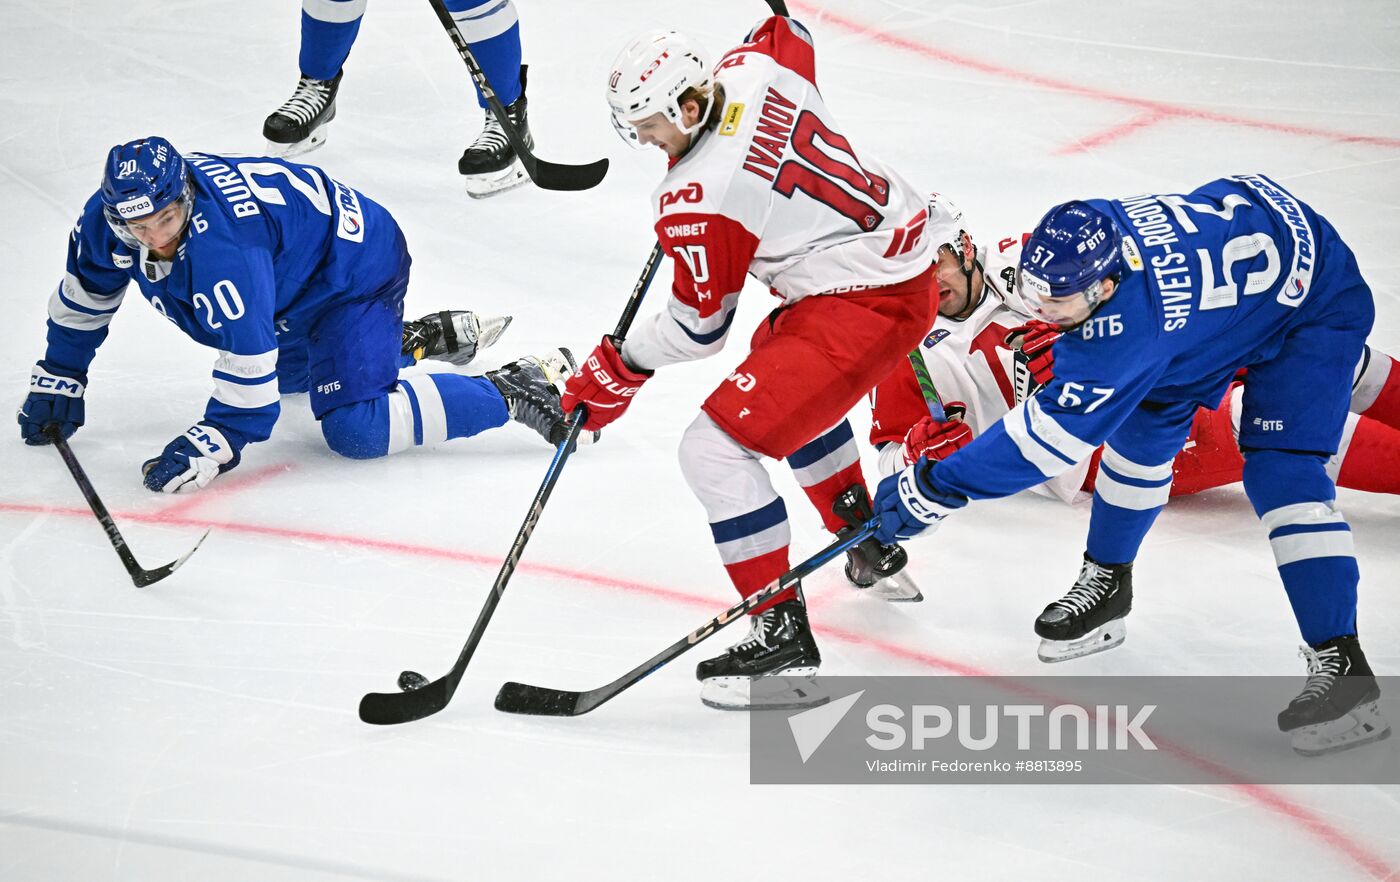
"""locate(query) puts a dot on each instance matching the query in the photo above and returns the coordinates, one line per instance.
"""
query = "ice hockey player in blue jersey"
(1163, 299)
(328, 30)
(298, 281)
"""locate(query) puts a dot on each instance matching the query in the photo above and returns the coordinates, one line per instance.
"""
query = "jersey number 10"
(819, 173)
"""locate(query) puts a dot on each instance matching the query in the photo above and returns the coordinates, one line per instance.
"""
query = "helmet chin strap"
(700, 122)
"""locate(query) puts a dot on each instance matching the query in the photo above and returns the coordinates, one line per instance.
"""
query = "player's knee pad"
(359, 430)
(1277, 478)
(725, 476)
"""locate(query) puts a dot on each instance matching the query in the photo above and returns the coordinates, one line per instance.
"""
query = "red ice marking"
(187, 502)
(1156, 111)
(1266, 798)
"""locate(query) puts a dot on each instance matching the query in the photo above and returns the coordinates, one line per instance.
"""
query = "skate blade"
(789, 689)
(898, 588)
(483, 186)
(1102, 638)
(489, 329)
(1363, 725)
(297, 148)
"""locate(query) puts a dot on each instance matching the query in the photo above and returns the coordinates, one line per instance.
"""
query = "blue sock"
(492, 30)
(326, 42)
(1312, 544)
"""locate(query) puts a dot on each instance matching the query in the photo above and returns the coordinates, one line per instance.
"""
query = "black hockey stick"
(548, 175)
(778, 6)
(416, 702)
(522, 698)
(139, 576)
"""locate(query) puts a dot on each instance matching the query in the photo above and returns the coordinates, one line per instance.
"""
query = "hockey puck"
(411, 680)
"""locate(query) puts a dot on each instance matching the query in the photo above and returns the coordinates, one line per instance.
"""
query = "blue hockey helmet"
(141, 178)
(1065, 261)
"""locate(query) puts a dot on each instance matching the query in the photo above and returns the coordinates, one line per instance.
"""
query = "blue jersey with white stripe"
(1216, 277)
(270, 246)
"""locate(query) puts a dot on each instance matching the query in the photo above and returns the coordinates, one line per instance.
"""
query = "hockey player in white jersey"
(328, 30)
(763, 182)
(1167, 297)
(298, 281)
(986, 354)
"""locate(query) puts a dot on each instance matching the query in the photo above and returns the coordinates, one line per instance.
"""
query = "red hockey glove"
(604, 384)
(1034, 340)
(933, 440)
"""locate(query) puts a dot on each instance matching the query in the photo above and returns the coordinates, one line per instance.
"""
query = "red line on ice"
(1334, 838)
(1161, 109)
(187, 502)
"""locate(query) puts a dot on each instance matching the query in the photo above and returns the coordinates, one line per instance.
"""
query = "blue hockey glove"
(905, 504)
(194, 459)
(53, 398)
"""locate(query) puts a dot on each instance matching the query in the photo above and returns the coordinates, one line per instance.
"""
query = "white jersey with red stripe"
(773, 190)
(969, 361)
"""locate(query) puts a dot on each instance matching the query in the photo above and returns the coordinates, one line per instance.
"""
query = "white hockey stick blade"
(1363, 725)
(1104, 637)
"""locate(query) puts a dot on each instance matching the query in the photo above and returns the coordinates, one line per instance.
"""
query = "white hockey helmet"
(649, 76)
(945, 221)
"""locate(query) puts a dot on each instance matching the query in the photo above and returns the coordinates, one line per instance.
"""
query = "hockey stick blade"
(555, 176)
(546, 175)
(140, 577)
(522, 698)
(390, 708)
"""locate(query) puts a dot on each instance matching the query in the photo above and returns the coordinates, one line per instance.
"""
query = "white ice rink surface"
(205, 728)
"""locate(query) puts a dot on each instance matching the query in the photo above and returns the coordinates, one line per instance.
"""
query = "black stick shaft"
(548, 175)
(383, 708)
(532, 518)
(522, 698)
(93, 500)
(140, 576)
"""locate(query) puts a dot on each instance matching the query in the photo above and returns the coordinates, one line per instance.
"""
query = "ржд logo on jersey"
(691, 192)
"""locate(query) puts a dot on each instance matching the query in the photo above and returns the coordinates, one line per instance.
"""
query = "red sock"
(824, 493)
(1386, 407)
(752, 575)
(1372, 460)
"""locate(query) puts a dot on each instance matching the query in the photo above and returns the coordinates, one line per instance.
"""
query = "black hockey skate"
(1337, 708)
(1090, 618)
(490, 165)
(299, 125)
(532, 387)
(771, 668)
(454, 336)
(871, 567)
